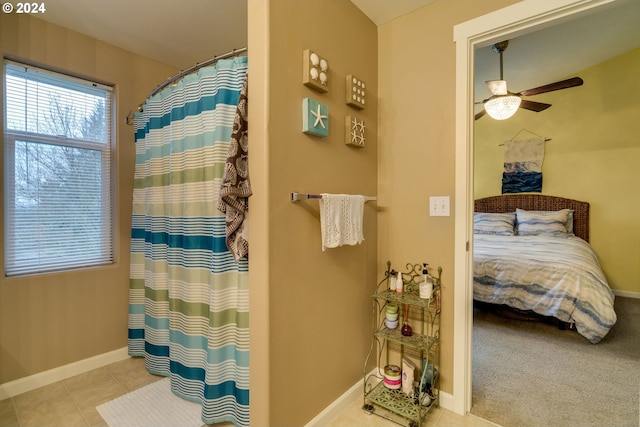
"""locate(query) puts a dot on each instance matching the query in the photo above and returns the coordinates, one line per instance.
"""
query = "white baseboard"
(22, 385)
(340, 404)
(628, 294)
(446, 402)
(355, 392)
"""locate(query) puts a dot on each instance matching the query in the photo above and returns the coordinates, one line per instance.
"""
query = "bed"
(532, 254)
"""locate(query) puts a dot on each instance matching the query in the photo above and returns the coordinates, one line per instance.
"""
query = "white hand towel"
(341, 219)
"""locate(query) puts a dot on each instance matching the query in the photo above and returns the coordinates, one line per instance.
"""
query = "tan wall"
(50, 320)
(259, 218)
(592, 156)
(416, 66)
(318, 307)
(311, 308)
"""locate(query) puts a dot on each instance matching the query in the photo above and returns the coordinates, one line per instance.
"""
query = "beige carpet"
(151, 406)
(528, 374)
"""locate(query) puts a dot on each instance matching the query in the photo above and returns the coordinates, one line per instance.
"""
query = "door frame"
(520, 18)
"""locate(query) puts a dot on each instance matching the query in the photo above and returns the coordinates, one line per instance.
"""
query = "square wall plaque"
(356, 91)
(315, 71)
(354, 131)
(315, 117)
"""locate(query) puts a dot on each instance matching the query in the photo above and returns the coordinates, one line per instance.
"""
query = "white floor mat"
(151, 406)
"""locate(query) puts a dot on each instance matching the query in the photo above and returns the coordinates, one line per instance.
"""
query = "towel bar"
(303, 196)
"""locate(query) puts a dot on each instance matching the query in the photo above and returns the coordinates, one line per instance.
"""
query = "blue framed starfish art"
(315, 117)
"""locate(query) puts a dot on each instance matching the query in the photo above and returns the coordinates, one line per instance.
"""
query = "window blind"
(58, 177)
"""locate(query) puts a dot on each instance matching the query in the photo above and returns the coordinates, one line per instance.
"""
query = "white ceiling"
(182, 33)
(178, 33)
(560, 51)
(383, 11)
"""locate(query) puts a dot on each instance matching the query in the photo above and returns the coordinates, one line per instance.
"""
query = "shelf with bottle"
(410, 298)
(412, 279)
(403, 298)
(406, 313)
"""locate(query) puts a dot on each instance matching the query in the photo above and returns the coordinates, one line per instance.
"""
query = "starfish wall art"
(354, 131)
(315, 117)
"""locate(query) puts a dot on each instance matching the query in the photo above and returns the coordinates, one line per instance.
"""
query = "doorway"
(518, 19)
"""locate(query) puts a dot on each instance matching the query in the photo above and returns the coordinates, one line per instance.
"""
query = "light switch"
(439, 206)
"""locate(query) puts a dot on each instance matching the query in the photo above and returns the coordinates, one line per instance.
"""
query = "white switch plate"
(439, 206)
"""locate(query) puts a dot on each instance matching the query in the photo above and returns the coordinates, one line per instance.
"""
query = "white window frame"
(108, 179)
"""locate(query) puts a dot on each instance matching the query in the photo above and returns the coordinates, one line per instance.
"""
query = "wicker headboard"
(539, 202)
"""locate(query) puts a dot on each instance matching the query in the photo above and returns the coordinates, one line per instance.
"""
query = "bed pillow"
(502, 224)
(569, 223)
(548, 223)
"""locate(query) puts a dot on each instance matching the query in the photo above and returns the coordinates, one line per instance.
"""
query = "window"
(57, 164)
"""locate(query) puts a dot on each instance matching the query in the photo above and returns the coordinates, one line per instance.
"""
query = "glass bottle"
(406, 329)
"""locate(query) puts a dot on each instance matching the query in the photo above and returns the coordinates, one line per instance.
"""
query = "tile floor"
(72, 402)
(354, 416)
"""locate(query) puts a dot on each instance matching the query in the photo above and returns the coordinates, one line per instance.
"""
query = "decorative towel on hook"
(523, 166)
(341, 219)
(236, 188)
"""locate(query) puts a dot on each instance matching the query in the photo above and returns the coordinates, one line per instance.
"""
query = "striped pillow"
(549, 223)
(494, 223)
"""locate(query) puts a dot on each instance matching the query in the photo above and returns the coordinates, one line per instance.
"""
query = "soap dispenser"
(426, 287)
(393, 280)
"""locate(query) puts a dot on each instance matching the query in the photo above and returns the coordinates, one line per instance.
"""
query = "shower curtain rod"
(196, 67)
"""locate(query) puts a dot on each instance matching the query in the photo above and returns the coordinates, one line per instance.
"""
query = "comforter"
(552, 276)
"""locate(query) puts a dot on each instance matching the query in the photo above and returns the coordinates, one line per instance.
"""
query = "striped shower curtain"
(189, 298)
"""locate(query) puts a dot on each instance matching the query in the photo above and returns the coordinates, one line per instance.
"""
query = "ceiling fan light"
(497, 87)
(502, 107)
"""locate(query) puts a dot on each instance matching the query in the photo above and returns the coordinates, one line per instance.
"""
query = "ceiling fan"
(503, 104)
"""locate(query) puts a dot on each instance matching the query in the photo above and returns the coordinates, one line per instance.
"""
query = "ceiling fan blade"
(534, 106)
(480, 114)
(564, 84)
